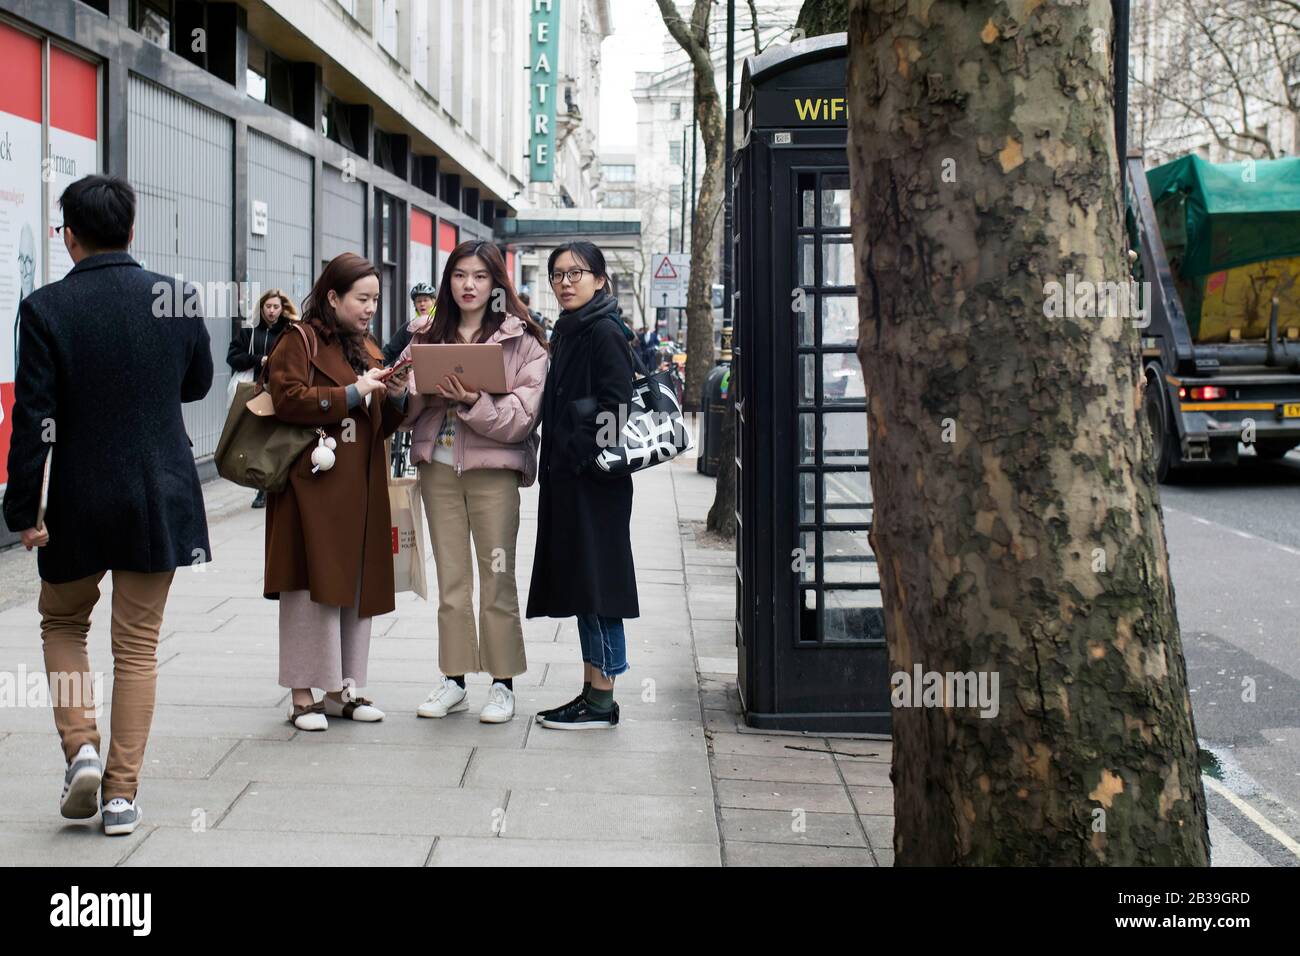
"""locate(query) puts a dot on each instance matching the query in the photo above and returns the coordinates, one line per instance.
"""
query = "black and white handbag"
(655, 430)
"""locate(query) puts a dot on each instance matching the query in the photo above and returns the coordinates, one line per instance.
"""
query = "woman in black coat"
(583, 562)
(249, 349)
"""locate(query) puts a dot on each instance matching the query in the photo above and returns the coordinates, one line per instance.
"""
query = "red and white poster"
(74, 139)
(447, 235)
(419, 265)
(21, 250)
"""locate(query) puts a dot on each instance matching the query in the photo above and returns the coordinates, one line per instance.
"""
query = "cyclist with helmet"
(422, 297)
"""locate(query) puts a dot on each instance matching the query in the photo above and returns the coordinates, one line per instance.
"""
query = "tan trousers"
(483, 503)
(138, 602)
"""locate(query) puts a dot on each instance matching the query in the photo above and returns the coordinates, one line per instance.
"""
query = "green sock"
(601, 700)
(586, 688)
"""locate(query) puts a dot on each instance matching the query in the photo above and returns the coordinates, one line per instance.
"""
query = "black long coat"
(96, 361)
(252, 344)
(583, 561)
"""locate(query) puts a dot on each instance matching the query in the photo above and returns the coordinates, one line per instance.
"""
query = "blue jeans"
(604, 645)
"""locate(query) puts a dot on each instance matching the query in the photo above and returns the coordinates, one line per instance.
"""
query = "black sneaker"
(555, 710)
(579, 715)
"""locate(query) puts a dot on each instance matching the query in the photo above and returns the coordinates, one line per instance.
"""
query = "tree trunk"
(693, 37)
(1017, 522)
(817, 17)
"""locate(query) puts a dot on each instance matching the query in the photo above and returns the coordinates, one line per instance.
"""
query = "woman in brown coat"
(329, 558)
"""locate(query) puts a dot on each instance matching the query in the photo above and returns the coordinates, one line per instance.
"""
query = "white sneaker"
(446, 698)
(500, 706)
(80, 799)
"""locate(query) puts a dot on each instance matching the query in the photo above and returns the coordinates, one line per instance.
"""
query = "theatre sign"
(544, 50)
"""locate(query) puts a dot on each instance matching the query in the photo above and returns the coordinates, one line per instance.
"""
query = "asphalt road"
(1234, 551)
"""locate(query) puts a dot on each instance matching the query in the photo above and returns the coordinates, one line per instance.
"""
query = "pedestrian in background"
(648, 343)
(422, 300)
(252, 344)
(329, 555)
(583, 563)
(533, 314)
(99, 390)
(474, 451)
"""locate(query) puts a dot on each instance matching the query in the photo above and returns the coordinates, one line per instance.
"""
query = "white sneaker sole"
(453, 709)
(81, 802)
(496, 718)
(586, 725)
(122, 829)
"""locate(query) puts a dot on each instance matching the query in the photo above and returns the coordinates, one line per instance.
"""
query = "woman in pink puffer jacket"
(474, 451)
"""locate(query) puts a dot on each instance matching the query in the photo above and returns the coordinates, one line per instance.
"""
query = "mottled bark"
(817, 17)
(706, 224)
(1017, 520)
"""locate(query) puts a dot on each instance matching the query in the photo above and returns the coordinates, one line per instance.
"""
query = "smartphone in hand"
(389, 372)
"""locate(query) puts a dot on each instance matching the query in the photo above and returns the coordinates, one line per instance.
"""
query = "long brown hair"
(342, 272)
(288, 311)
(446, 316)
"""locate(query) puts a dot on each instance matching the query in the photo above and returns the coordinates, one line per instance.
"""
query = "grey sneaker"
(80, 800)
(121, 816)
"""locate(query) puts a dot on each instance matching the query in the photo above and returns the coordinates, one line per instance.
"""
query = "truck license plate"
(1291, 410)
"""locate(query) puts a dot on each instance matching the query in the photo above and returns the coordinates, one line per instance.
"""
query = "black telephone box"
(810, 631)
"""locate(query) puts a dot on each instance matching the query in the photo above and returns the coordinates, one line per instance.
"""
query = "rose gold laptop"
(480, 367)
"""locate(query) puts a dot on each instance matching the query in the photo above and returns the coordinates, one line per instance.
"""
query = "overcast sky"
(636, 44)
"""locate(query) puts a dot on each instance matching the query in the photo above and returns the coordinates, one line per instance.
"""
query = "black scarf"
(600, 305)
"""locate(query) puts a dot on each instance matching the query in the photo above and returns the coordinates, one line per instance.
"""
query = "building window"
(256, 84)
(388, 25)
(620, 199)
(676, 110)
(675, 152)
(620, 174)
(255, 77)
(152, 19)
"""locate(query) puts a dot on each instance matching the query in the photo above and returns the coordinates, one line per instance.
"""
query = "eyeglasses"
(59, 227)
(573, 275)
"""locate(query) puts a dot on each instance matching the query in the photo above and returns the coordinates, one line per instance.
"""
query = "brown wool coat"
(324, 528)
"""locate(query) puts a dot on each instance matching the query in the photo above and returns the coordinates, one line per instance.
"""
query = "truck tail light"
(1206, 393)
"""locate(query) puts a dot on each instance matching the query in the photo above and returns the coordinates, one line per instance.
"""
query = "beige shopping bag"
(410, 553)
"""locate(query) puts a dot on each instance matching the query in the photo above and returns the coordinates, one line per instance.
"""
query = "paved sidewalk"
(227, 780)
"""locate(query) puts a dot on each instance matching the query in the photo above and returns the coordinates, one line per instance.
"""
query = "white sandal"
(353, 708)
(309, 717)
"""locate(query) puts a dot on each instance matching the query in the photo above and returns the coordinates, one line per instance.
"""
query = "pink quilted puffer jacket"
(497, 431)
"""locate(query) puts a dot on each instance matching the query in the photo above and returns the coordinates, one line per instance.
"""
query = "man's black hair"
(100, 211)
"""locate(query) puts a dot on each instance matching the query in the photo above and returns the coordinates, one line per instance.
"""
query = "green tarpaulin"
(1232, 214)
(1232, 235)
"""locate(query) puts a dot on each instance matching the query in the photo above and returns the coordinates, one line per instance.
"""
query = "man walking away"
(106, 360)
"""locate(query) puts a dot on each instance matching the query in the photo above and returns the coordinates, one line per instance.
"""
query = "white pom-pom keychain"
(322, 456)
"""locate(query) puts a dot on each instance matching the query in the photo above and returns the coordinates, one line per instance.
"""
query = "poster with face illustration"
(74, 140)
(20, 202)
(26, 181)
